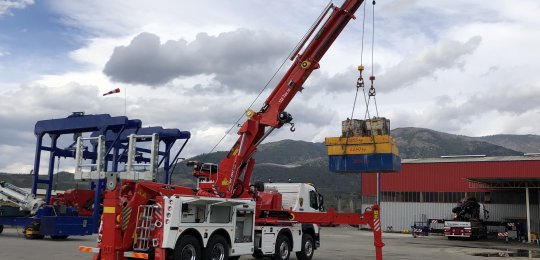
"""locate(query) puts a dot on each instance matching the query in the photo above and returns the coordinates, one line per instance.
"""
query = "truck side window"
(313, 200)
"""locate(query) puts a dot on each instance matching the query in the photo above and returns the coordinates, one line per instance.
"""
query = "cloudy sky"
(466, 67)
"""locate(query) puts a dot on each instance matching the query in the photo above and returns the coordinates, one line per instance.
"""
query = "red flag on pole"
(114, 91)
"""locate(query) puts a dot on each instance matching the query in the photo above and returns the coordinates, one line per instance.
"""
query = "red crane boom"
(136, 213)
(234, 173)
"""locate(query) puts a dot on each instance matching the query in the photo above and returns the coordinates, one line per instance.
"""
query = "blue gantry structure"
(62, 223)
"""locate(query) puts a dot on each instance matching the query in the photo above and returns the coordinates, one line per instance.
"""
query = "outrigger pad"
(364, 163)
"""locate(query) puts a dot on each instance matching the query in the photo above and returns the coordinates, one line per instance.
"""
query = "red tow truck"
(227, 216)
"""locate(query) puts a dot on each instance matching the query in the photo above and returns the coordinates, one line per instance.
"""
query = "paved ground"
(337, 243)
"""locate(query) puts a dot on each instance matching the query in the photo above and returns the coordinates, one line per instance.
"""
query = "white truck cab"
(298, 196)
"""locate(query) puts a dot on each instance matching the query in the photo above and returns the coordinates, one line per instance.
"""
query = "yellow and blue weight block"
(377, 153)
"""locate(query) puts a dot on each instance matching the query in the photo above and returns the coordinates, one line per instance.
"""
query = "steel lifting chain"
(359, 85)
(372, 91)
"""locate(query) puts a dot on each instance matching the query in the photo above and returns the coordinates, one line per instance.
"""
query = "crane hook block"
(305, 64)
(250, 113)
(360, 68)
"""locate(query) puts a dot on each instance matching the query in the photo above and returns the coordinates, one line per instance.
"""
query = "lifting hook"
(292, 127)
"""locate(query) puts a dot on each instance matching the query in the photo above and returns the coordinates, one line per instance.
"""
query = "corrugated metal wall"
(402, 215)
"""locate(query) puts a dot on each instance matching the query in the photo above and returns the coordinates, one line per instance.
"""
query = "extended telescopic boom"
(234, 173)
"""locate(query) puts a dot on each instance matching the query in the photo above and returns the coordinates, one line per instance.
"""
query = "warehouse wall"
(448, 177)
(402, 215)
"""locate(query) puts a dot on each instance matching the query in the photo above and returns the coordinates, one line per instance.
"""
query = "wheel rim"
(189, 253)
(26, 231)
(308, 248)
(284, 250)
(218, 252)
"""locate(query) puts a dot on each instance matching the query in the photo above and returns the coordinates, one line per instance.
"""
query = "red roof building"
(448, 179)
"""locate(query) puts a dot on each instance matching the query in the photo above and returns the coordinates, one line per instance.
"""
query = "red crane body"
(233, 176)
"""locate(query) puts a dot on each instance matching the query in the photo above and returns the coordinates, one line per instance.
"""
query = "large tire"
(187, 247)
(29, 231)
(283, 248)
(308, 248)
(258, 254)
(1, 229)
(216, 249)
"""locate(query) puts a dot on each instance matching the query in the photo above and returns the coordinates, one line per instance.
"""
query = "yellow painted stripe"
(109, 209)
(362, 149)
(136, 255)
(358, 140)
(140, 255)
(88, 249)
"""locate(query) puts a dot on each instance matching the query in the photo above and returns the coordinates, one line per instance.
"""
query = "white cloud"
(230, 56)
(7, 5)
(462, 66)
(444, 55)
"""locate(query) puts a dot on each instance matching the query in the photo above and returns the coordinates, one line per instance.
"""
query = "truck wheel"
(1, 229)
(283, 248)
(258, 254)
(216, 249)
(187, 247)
(29, 231)
(308, 248)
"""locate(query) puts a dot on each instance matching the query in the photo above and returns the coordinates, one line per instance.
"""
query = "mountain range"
(300, 161)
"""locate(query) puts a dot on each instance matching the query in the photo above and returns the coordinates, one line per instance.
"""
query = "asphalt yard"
(336, 243)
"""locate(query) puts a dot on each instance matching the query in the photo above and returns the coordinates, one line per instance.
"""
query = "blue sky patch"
(33, 41)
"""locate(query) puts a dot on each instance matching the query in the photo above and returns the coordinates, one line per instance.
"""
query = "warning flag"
(114, 91)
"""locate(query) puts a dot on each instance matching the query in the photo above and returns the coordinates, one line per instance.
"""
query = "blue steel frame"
(116, 130)
(74, 124)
